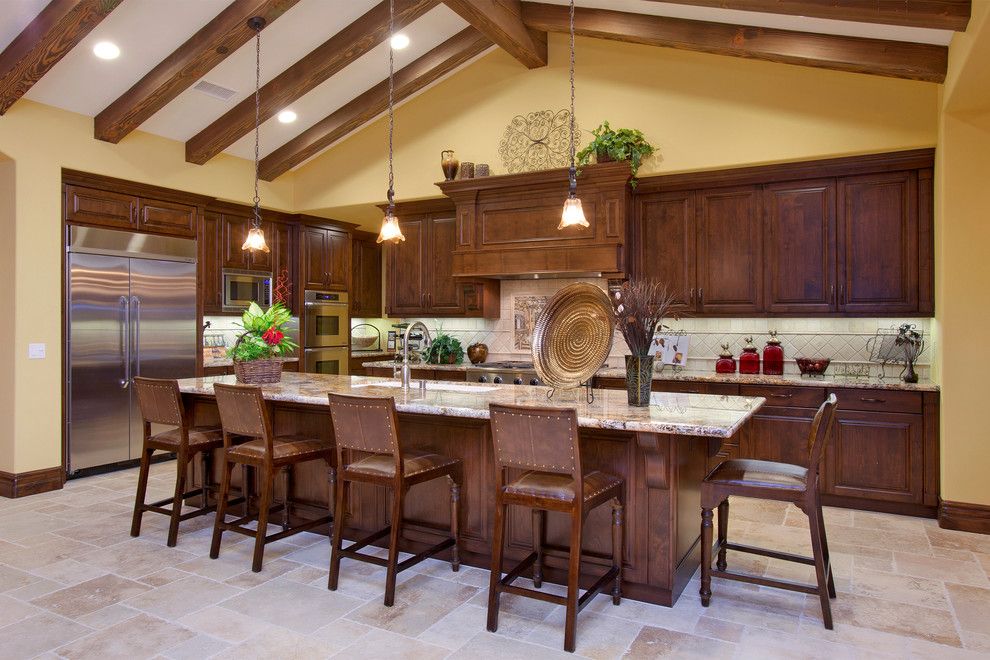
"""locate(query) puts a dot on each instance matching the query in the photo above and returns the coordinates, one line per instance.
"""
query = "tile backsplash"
(844, 340)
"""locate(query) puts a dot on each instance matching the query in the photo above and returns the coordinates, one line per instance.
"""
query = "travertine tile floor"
(74, 584)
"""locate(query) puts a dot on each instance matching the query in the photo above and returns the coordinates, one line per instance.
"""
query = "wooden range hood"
(507, 225)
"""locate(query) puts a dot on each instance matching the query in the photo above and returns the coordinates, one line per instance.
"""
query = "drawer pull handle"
(869, 400)
(782, 396)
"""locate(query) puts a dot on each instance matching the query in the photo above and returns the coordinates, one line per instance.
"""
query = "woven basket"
(258, 372)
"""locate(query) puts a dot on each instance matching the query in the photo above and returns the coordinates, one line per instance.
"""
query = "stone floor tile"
(91, 595)
(270, 570)
(36, 589)
(176, 599)
(37, 634)
(972, 607)
(12, 578)
(420, 602)
(887, 616)
(196, 648)
(458, 627)
(163, 577)
(100, 531)
(950, 570)
(764, 643)
(44, 549)
(140, 637)
(955, 540)
(528, 608)
(13, 610)
(492, 645)
(282, 644)
(653, 642)
(902, 588)
(299, 607)
(135, 558)
(718, 629)
(598, 636)
(338, 635)
(224, 624)
(683, 617)
(108, 616)
(68, 571)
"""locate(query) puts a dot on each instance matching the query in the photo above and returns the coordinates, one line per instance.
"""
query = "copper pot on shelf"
(477, 353)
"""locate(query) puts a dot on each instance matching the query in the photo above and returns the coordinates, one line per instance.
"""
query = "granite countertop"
(370, 354)
(706, 415)
(740, 379)
(227, 362)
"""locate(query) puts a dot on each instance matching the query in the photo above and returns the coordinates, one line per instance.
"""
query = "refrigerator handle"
(125, 340)
(137, 335)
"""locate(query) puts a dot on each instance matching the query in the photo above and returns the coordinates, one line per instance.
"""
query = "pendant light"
(573, 214)
(390, 224)
(255, 240)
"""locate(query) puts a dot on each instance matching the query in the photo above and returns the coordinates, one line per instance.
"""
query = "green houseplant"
(618, 144)
(257, 351)
(444, 349)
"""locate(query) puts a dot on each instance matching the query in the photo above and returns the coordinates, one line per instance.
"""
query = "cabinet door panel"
(99, 207)
(878, 243)
(446, 295)
(406, 270)
(282, 245)
(338, 245)
(668, 237)
(730, 262)
(314, 259)
(877, 456)
(263, 261)
(235, 230)
(210, 259)
(167, 218)
(800, 247)
(366, 278)
(780, 434)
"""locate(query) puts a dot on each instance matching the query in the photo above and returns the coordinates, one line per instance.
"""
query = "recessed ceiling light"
(287, 116)
(106, 50)
(399, 41)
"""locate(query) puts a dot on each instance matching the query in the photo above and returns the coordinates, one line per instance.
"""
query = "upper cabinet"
(420, 278)
(857, 242)
(326, 258)
(118, 210)
(366, 276)
(234, 230)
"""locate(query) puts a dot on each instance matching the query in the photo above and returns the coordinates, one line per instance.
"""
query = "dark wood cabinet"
(779, 434)
(668, 233)
(420, 270)
(283, 246)
(235, 229)
(366, 276)
(326, 258)
(210, 260)
(167, 218)
(90, 206)
(878, 263)
(799, 247)
(730, 246)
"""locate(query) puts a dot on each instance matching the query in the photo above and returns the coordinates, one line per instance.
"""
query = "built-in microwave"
(243, 287)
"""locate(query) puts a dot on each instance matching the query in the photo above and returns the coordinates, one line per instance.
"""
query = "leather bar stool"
(368, 425)
(782, 482)
(161, 403)
(544, 442)
(243, 413)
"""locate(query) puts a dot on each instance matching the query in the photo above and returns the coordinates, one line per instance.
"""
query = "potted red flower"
(258, 352)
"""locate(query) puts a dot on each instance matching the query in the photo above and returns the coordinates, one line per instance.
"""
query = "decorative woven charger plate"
(573, 336)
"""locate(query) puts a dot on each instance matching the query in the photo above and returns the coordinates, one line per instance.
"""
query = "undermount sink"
(430, 385)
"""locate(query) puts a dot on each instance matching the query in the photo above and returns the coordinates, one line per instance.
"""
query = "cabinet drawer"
(879, 400)
(782, 395)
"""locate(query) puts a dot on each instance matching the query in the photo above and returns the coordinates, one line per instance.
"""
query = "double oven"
(326, 332)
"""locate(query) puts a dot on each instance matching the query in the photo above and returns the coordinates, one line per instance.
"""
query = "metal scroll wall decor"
(538, 140)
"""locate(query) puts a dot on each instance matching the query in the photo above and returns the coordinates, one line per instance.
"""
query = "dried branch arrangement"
(640, 307)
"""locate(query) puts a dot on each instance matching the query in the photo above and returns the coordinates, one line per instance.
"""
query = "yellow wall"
(40, 140)
(8, 231)
(962, 268)
(702, 111)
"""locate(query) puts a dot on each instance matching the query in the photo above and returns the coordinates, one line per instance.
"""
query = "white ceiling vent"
(216, 91)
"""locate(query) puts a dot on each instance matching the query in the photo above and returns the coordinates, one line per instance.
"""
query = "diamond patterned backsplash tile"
(842, 340)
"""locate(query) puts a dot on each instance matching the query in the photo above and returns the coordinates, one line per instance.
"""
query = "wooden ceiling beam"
(211, 45)
(895, 59)
(47, 39)
(410, 79)
(933, 14)
(501, 21)
(315, 68)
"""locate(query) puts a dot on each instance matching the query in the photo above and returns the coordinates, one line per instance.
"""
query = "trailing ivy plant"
(263, 337)
(619, 144)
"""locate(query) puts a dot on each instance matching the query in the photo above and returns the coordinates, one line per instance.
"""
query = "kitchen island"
(662, 451)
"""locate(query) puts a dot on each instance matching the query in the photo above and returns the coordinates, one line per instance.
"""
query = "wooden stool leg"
(228, 470)
(286, 489)
(816, 549)
(142, 490)
(723, 532)
(246, 488)
(539, 540)
(181, 465)
(206, 462)
(573, 576)
(264, 506)
(455, 499)
(393, 545)
(617, 523)
(498, 540)
(706, 556)
(337, 531)
(828, 562)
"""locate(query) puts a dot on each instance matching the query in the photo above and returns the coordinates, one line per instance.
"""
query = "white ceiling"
(148, 30)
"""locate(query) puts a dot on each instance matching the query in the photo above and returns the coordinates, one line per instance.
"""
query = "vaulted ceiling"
(327, 59)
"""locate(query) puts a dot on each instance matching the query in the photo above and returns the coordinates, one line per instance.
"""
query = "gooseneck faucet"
(406, 370)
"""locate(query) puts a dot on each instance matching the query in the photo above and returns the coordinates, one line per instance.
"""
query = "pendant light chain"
(572, 173)
(257, 125)
(391, 109)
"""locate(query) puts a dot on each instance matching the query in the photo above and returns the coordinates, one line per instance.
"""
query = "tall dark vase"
(639, 379)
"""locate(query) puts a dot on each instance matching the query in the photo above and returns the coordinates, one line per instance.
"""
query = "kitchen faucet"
(406, 371)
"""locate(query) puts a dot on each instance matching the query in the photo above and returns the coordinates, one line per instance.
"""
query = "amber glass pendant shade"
(255, 241)
(573, 215)
(390, 230)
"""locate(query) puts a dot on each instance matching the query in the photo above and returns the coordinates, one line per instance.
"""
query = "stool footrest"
(773, 554)
(767, 582)
(597, 587)
(168, 500)
(533, 593)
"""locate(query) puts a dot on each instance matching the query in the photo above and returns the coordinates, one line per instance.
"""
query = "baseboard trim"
(21, 484)
(964, 517)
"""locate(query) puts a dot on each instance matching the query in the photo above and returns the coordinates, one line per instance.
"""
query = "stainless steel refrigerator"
(131, 311)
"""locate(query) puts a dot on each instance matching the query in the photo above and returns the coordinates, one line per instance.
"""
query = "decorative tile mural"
(526, 309)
